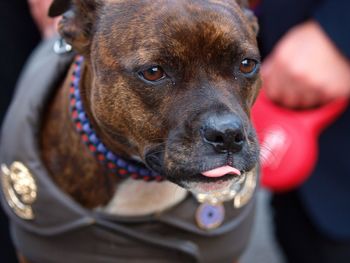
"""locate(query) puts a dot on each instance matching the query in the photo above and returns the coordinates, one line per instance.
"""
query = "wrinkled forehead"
(225, 14)
(175, 26)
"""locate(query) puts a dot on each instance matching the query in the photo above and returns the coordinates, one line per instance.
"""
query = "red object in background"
(289, 140)
(254, 3)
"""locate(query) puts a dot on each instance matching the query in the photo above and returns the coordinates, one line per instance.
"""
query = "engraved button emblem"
(19, 188)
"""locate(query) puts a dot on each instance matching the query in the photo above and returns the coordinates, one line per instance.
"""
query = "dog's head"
(170, 82)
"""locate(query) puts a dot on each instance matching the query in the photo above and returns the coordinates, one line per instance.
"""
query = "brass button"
(20, 189)
(246, 193)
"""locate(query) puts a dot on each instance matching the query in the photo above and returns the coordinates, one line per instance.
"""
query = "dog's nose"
(224, 133)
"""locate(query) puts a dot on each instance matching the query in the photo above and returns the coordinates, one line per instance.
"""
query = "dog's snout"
(224, 133)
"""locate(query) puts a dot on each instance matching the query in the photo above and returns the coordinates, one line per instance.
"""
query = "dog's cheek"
(255, 92)
(118, 110)
(111, 112)
(248, 93)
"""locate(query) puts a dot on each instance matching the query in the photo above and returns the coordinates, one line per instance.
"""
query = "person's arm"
(39, 10)
(333, 16)
(306, 68)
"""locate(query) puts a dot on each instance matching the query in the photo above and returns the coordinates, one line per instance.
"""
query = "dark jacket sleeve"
(276, 17)
(334, 17)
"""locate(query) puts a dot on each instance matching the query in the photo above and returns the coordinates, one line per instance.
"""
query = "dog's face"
(172, 82)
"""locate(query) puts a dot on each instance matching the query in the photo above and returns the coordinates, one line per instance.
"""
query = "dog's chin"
(209, 188)
(214, 186)
(215, 190)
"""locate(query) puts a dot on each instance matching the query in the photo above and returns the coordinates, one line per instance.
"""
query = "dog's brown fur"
(203, 41)
(199, 44)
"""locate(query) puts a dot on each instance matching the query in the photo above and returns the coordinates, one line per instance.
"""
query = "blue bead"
(82, 117)
(76, 82)
(79, 105)
(121, 163)
(87, 128)
(110, 156)
(93, 138)
(145, 172)
(154, 174)
(132, 168)
(77, 94)
(101, 148)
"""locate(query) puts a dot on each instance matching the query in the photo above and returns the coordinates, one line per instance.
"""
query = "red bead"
(134, 176)
(75, 114)
(159, 178)
(92, 148)
(72, 102)
(122, 171)
(111, 165)
(79, 127)
(101, 157)
(85, 138)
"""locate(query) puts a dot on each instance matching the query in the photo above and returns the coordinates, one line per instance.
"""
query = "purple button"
(210, 216)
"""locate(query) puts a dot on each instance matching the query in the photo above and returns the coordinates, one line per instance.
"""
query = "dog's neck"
(78, 173)
(115, 164)
(71, 166)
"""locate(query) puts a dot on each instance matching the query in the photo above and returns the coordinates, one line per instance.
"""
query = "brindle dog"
(169, 83)
(156, 75)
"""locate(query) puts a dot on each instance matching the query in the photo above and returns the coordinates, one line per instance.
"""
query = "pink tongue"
(221, 171)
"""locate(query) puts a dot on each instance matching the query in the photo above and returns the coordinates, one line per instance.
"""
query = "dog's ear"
(245, 5)
(252, 19)
(78, 21)
(58, 7)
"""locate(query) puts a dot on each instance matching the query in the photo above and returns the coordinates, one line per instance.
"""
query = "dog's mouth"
(218, 184)
(198, 166)
(218, 189)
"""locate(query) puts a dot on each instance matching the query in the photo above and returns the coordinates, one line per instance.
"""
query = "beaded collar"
(114, 163)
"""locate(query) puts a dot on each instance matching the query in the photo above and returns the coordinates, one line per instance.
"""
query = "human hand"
(306, 69)
(39, 10)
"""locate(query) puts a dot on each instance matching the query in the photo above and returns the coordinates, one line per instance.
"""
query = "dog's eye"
(154, 73)
(248, 66)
